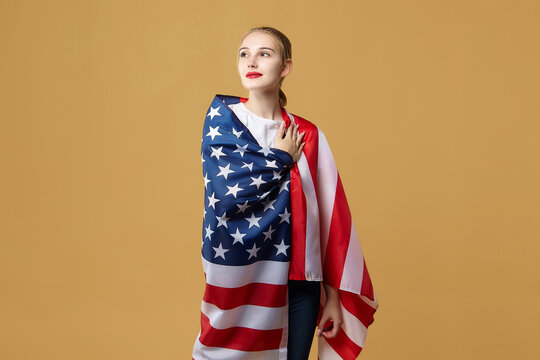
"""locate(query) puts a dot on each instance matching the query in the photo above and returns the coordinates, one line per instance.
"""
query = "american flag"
(267, 220)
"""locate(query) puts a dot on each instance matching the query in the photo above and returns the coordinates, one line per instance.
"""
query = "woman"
(276, 226)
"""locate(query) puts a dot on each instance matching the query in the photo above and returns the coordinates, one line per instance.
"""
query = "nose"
(252, 62)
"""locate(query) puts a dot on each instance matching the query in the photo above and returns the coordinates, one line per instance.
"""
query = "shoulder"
(228, 99)
(313, 132)
(304, 123)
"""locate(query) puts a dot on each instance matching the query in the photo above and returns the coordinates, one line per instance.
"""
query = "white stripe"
(325, 351)
(355, 330)
(267, 271)
(327, 177)
(353, 269)
(250, 316)
(201, 352)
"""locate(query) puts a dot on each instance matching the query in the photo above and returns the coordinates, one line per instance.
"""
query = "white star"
(204, 213)
(271, 164)
(237, 133)
(264, 195)
(209, 232)
(213, 112)
(242, 208)
(202, 159)
(206, 180)
(252, 252)
(266, 151)
(220, 251)
(282, 248)
(217, 152)
(249, 166)
(241, 149)
(225, 171)
(253, 221)
(268, 234)
(269, 204)
(222, 220)
(285, 216)
(277, 175)
(284, 186)
(233, 189)
(212, 201)
(213, 132)
(238, 237)
(257, 181)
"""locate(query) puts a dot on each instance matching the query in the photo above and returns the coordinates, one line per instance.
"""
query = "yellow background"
(430, 107)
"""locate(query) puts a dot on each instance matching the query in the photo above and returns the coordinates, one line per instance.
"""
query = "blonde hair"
(286, 52)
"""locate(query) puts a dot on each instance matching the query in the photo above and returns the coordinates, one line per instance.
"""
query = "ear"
(286, 68)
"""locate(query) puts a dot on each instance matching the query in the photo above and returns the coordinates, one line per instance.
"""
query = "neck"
(265, 105)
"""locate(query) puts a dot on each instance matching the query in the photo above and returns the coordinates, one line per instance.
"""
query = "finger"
(295, 133)
(299, 138)
(293, 127)
(332, 332)
(327, 330)
(281, 131)
(289, 131)
(321, 325)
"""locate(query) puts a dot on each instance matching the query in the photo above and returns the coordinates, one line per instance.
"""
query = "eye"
(265, 53)
(242, 54)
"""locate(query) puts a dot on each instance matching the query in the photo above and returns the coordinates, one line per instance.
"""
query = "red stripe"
(285, 117)
(338, 239)
(367, 286)
(344, 346)
(298, 220)
(260, 294)
(311, 149)
(239, 338)
(357, 307)
(297, 270)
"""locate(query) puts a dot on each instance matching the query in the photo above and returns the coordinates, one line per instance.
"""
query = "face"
(259, 58)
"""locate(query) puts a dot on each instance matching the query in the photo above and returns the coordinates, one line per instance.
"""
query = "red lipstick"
(253, 75)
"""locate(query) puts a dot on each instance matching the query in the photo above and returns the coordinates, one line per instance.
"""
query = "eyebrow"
(261, 48)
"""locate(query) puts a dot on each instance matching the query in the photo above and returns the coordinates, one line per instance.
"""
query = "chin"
(258, 87)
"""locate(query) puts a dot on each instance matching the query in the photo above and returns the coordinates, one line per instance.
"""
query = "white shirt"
(264, 130)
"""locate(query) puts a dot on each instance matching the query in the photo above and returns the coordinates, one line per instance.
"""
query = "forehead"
(259, 39)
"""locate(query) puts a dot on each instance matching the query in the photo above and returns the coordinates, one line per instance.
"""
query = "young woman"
(280, 252)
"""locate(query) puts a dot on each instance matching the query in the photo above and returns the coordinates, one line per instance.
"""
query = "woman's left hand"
(331, 312)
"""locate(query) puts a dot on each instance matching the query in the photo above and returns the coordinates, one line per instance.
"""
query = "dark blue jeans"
(304, 298)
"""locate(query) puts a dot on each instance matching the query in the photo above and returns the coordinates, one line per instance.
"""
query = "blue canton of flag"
(247, 198)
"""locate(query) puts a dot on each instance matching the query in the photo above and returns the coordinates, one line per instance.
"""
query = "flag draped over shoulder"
(267, 220)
